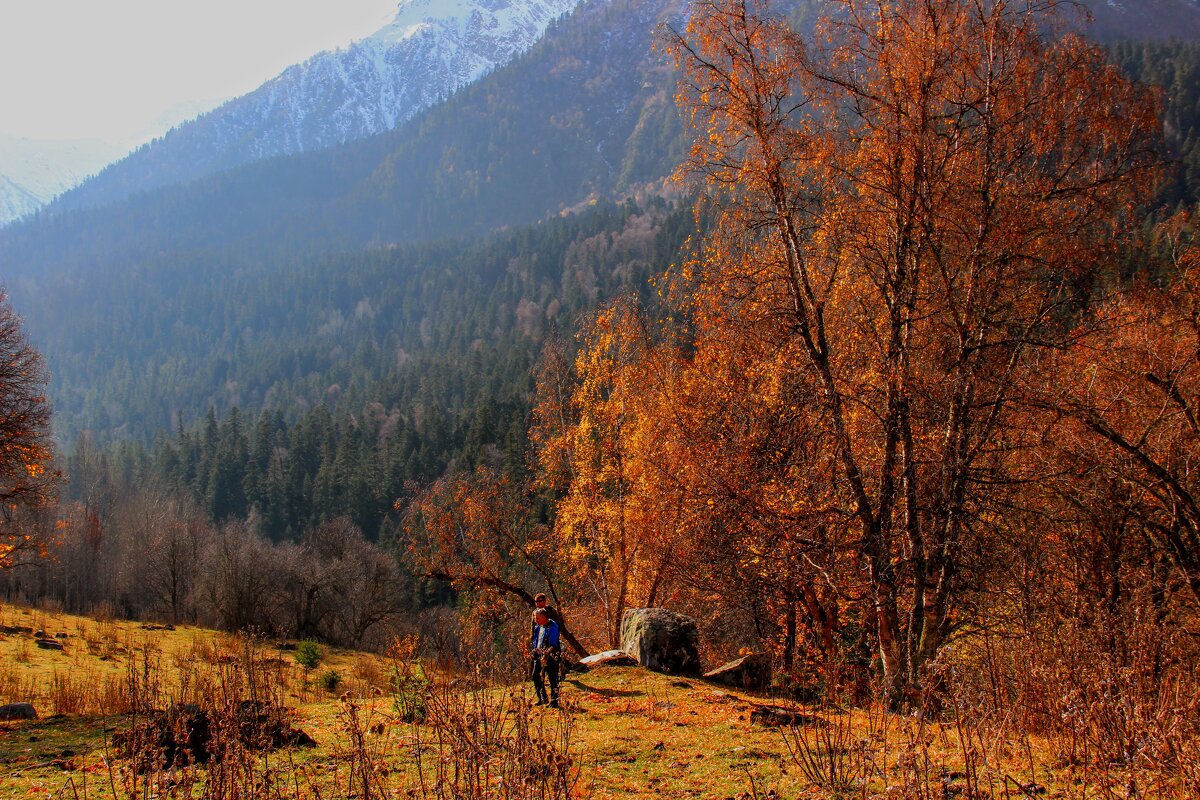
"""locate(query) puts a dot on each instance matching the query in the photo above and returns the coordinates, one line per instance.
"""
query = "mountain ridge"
(584, 116)
(431, 49)
(587, 112)
(428, 51)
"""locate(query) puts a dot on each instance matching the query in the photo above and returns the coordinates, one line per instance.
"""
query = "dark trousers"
(541, 667)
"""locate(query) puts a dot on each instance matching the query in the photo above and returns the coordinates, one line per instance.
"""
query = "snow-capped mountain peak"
(495, 18)
(429, 50)
(433, 47)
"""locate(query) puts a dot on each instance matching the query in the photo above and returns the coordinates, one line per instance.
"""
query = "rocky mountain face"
(430, 50)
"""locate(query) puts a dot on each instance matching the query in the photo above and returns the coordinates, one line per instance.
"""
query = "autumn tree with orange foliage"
(678, 479)
(27, 478)
(902, 212)
(761, 515)
(598, 447)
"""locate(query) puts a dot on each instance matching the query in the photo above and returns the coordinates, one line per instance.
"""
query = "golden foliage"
(903, 209)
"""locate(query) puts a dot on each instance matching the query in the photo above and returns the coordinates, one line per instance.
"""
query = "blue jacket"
(549, 637)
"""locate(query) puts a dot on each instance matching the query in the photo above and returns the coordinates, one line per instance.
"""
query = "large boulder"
(662, 640)
(18, 711)
(752, 673)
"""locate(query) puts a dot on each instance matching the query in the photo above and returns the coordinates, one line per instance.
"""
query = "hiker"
(544, 657)
(541, 602)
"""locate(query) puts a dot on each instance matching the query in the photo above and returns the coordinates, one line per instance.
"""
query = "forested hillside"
(261, 321)
(336, 385)
(1160, 20)
(1174, 66)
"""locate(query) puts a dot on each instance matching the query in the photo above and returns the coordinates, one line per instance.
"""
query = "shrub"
(409, 691)
(331, 680)
(309, 654)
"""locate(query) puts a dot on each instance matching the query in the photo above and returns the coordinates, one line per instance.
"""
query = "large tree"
(902, 212)
(476, 531)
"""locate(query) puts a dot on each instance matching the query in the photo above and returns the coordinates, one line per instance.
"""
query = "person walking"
(545, 652)
(541, 602)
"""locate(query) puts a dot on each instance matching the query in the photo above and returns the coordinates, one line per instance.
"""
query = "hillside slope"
(33, 172)
(586, 112)
(428, 51)
(1145, 20)
(623, 732)
(153, 310)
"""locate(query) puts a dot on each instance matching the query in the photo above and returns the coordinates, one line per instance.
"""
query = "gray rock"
(609, 658)
(18, 711)
(662, 640)
(751, 673)
(49, 644)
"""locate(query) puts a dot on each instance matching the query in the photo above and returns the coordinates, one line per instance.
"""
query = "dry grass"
(108, 669)
(104, 662)
(623, 733)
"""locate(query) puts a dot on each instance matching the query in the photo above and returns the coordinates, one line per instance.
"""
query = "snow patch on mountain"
(16, 201)
(429, 50)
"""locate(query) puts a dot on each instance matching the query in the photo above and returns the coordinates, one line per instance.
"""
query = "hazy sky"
(113, 69)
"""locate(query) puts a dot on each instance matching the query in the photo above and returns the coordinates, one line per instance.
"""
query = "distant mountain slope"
(440, 324)
(33, 172)
(587, 112)
(16, 201)
(430, 49)
(129, 302)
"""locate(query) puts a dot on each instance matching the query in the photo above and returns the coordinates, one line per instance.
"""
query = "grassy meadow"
(386, 731)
